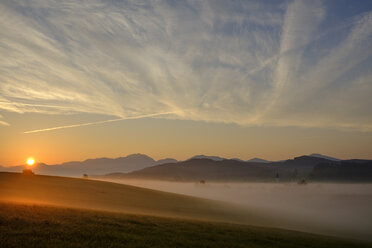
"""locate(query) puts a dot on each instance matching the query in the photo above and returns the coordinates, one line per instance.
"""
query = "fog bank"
(325, 208)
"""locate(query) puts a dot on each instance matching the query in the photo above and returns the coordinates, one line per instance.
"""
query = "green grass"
(45, 226)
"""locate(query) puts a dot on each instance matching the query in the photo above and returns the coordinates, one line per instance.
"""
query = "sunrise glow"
(30, 161)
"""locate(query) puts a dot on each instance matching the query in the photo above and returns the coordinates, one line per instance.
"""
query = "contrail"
(97, 122)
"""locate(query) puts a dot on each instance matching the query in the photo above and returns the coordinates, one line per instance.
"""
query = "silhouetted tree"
(28, 172)
(277, 177)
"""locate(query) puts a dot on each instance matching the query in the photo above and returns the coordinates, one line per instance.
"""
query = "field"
(97, 195)
(45, 211)
(42, 226)
(339, 209)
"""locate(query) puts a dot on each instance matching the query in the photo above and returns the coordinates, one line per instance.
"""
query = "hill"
(98, 195)
(317, 155)
(258, 160)
(41, 226)
(200, 167)
(227, 170)
(234, 170)
(215, 158)
(94, 166)
(343, 171)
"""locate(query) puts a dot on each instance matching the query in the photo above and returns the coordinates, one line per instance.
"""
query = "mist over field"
(326, 208)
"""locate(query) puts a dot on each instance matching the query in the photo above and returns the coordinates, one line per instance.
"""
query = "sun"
(30, 161)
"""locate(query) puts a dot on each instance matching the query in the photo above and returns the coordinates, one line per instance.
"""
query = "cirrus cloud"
(244, 62)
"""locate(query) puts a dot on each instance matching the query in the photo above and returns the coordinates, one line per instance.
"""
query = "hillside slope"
(90, 194)
(41, 226)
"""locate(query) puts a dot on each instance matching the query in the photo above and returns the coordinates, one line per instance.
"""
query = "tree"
(28, 172)
(277, 177)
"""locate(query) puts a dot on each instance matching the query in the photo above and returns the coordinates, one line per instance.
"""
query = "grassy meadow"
(46, 211)
(98, 195)
(45, 226)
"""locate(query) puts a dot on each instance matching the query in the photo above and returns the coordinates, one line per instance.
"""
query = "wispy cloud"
(244, 62)
(97, 122)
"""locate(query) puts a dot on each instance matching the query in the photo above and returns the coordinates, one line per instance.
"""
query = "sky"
(269, 79)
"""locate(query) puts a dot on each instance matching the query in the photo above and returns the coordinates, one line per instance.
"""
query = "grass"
(46, 226)
(99, 195)
(46, 211)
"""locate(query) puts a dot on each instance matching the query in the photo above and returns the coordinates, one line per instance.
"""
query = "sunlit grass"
(41, 226)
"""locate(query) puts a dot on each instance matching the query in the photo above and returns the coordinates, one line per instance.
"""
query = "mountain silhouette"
(94, 166)
(226, 170)
(204, 169)
(165, 161)
(258, 160)
(343, 171)
(317, 155)
(211, 168)
(215, 158)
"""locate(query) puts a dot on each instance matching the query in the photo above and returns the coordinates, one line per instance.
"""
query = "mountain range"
(299, 169)
(98, 166)
(211, 168)
(94, 166)
(202, 168)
